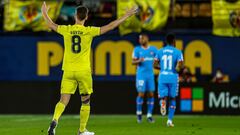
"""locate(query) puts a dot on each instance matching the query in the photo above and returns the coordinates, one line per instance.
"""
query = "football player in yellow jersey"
(76, 61)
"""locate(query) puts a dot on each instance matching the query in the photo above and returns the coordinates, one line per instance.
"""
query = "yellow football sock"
(58, 111)
(84, 115)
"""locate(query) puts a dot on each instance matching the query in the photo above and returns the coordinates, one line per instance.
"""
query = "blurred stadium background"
(30, 64)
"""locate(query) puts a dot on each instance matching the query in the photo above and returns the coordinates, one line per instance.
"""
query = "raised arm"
(48, 20)
(117, 22)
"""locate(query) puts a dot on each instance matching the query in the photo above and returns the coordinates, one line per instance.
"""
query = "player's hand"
(141, 59)
(45, 8)
(132, 11)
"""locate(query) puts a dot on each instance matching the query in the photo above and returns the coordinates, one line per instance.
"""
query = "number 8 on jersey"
(76, 44)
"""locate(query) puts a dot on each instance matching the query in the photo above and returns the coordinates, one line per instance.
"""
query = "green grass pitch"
(121, 125)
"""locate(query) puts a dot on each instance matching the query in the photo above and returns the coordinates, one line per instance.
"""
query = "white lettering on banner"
(227, 100)
(214, 102)
(224, 100)
(233, 103)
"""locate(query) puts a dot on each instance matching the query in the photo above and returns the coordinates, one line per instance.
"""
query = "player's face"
(143, 39)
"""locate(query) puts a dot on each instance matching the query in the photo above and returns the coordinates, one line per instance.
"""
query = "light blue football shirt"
(145, 67)
(168, 58)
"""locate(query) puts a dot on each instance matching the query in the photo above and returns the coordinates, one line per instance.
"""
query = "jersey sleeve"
(94, 31)
(180, 56)
(61, 29)
(135, 54)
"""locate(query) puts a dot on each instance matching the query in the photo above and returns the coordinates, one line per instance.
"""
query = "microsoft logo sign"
(191, 99)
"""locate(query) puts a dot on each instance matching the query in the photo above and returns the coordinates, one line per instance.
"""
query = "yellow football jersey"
(77, 45)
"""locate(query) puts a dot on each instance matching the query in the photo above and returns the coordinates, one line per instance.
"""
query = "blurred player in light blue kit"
(169, 60)
(143, 57)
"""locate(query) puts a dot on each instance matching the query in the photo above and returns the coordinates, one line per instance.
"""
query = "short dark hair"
(170, 38)
(82, 12)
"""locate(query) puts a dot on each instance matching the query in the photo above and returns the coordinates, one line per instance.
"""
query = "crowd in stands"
(99, 11)
(105, 10)
(220, 77)
(185, 76)
(184, 14)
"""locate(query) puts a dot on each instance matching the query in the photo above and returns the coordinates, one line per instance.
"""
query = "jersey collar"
(168, 45)
(145, 48)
